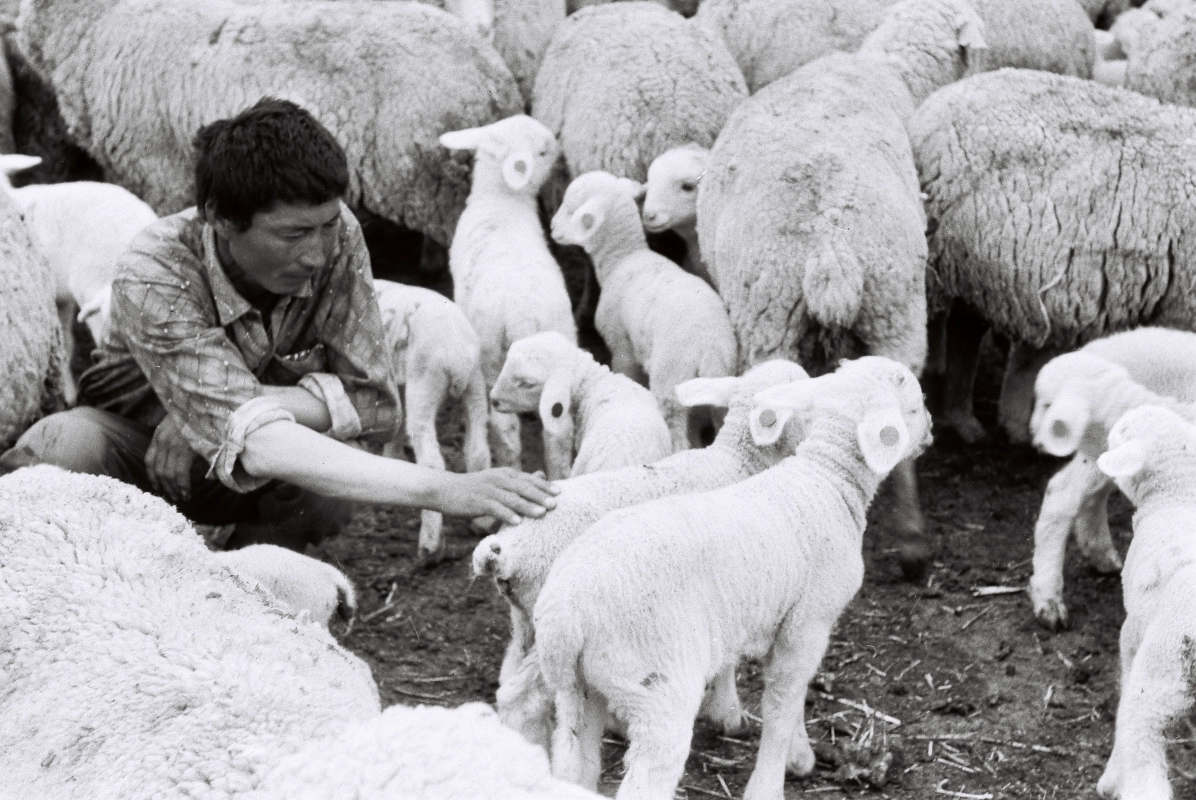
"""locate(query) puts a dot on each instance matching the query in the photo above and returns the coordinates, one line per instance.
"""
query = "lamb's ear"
(467, 139)
(517, 170)
(587, 220)
(970, 35)
(12, 163)
(636, 189)
(555, 400)
(766, 423)
(1062, 427)
(1124, 460)
(706, 391)
(883, 438)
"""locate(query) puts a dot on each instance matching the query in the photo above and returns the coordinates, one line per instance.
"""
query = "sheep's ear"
(1063, 425)
(517, 170)
(1124, 460)
(587, 220)
(555, 400)
(767, 422)
(706, 391)
(467, 139)
(13, 163)
(883, 438)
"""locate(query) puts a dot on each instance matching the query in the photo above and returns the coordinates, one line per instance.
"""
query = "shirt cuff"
(251, 415)
(328, 388)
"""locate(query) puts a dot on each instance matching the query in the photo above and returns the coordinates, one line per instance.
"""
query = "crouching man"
(245, 376)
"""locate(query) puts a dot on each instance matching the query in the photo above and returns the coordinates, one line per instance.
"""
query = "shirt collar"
(230, 305)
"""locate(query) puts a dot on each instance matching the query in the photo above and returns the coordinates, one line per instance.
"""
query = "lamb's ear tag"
(588, 219)
(557, 409)
(883, 439)
(889, 436)
(768, 418)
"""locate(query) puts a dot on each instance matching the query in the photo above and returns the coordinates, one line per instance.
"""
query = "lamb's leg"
(721, 705)
(1017, 389)
(425, 392)
(784, 743)
(1154, 690)
(1092, 531)
(505, 446)
(660, 727)
(477, 412)
(524, 701)
(1065, 496)
(964, 332)
(577, 740)
(66, 318)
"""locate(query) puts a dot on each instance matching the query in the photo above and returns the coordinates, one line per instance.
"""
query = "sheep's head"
(671, 197)
(590, 200)
(518, 151)
(1063, 419)
(1145, 440)
(537, 376)
(882, 396)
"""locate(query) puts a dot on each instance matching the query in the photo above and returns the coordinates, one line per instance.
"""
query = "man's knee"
(78, 440)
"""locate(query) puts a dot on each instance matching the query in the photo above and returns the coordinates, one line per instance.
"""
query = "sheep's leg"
(477, 411)
(964, 331)
(1065, 496)
(425, 392)
(1092, 531)
(907, 524)
(721, 703)
(792, 662)
(504, 439)
(660, 728)
(577, 740)
(1017, 389)
(1154, 690)
(936, 359)
(66, 318)
(524, 702)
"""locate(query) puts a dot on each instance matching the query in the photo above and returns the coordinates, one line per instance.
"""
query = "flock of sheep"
(875, 180)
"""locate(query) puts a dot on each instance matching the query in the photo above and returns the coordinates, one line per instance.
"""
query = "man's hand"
(168, 462)
(504, 493)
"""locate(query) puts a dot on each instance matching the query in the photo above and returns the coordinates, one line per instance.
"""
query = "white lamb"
(1078, 397)
(593, 419)
(301, 583)
(1152, 457)
(659, 321)
(82, 228)
(671, 200)
(518, 558)
(504, 278)
(436, 357)
(645, 608)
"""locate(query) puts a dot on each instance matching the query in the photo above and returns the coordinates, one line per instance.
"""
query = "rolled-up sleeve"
(197, 373)
(352, 333)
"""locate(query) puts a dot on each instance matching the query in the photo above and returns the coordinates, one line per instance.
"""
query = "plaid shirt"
(183, 341)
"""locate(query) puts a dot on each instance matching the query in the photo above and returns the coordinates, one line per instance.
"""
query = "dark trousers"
(96, 442)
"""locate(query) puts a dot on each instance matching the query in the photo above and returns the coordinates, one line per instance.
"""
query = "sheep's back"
(810, 157)
(385, 78)
(1059, 194)
(135, 664)
(622, 83)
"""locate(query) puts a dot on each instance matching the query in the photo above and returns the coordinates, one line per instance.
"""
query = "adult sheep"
(810, 216)
(1063, 212)
(771, 38)
(1159, 45)
(136, 78)
(33, 360)
(137, 664)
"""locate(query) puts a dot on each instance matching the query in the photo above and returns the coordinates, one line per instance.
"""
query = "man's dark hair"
(271, 152)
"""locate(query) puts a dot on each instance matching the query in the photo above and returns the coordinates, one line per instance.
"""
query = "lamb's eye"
(688, 186)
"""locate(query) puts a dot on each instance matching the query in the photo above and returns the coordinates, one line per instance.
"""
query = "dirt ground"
(990, 705)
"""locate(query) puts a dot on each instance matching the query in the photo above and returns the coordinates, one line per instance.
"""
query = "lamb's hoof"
(430, 557)
(731, 723)
(965, 426)
(914, 555)
(1051, 613)
(801, 759)
(1106, 562)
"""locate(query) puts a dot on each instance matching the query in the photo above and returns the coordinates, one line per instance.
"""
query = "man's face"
(285, 244)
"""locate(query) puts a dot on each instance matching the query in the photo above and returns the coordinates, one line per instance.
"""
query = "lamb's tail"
(488, 557)
(833, 282)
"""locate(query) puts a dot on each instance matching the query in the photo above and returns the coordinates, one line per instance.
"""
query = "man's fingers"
(521, 506)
